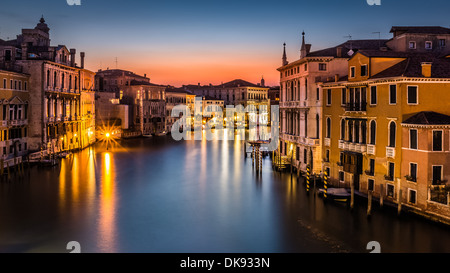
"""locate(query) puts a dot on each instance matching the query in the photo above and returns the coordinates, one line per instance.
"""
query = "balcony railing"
(390, 152)
(371, 149)
(327, 142)
(355, 106)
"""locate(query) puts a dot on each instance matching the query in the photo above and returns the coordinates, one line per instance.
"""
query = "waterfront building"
(87, 101)
(111, 117)
(301, 100)
(14, 98)
(146, 100)
(55, 121)
(174, 97)
(147, 107)
(236, 92)
(386, 123)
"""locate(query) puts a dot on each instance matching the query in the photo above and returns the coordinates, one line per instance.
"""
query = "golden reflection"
(107, 225)
(75, 178)
(62, 185)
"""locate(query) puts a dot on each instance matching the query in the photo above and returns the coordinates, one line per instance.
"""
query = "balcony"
(341, 144)
(369, 172)
(371, 149)
(390, 152)
(3, 123)
(327, 142)
(388, 178)
(355, 106)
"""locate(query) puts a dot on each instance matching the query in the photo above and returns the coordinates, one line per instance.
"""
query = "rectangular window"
(373, 95)
(364, 70)
(25, 86)
(412, 196)
(8, 55)
(327, 156)
(413, 172)
(413, 139)
(393, 94)
(371, 166)
(442, 42)
(428, 45)
(329, 97)
(391, 169)
(412, 95)
(341, 177)
(322, 67)
(343, 96)
(370, 184)
(437, 141)
(437, 175)
(352, 72)
(390, 190)
(4, 83)
(412, 45)
(305, 156)
(318, 93)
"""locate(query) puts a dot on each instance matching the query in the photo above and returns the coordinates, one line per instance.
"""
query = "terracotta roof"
(238, 83)
(420, 30)
(135, 82)
(355, 45)
(412, 67)
(177, 90)
(428, 118)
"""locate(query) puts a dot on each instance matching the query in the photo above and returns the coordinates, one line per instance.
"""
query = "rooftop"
(428, 118)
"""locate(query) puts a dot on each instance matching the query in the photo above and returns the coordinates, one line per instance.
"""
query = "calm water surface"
(159, 195)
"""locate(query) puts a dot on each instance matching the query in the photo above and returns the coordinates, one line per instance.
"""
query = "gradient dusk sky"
(190, 42)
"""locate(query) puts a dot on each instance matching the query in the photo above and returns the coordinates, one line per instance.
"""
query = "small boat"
(64, 155)
(160, 134)
(336, 194)
(147, 135)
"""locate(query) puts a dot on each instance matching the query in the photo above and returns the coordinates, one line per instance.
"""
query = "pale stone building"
(55, 88)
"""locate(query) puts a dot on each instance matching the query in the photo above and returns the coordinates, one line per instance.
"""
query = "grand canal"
(160, 195)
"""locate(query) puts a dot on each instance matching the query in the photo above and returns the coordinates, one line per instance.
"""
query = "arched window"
(356, 132)
(392, 133)
(62, 81)
(306, 124)
(54, 80)
(350, 130)
(342, 129)
(328, 134)
(373, 132)
(48, 78)
(317, 126)
(363, 132)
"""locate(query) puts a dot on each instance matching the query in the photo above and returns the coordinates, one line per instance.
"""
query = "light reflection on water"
(159, 195)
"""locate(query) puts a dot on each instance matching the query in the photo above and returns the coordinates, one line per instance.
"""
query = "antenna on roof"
(116, 63)
(350, 52)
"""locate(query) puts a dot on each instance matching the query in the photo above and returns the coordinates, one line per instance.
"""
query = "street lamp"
(107, 140)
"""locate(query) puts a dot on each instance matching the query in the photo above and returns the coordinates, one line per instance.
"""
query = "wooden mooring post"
(381, 195)
(369, 204)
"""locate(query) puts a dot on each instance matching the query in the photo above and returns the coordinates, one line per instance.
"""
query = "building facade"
(301, 99)
(14, 97)
(55, 80)
(379, 134)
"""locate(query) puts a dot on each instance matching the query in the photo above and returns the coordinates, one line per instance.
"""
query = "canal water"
(160, 195)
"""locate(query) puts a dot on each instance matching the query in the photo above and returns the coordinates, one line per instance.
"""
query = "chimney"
(336, 78)
(82, 55)
(199, 84)
(339, 52)
(426, 70)
(72, 57)
(24, 51)
(145, 75)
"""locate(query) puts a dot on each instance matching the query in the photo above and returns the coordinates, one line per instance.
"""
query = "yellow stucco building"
(385, 124)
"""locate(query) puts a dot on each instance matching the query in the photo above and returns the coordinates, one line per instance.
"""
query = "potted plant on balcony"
(410, 178)
(388, 177)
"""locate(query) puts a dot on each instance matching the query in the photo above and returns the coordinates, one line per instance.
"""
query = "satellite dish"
(350, 53)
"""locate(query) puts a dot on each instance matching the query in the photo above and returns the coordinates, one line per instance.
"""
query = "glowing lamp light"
(107, 134)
